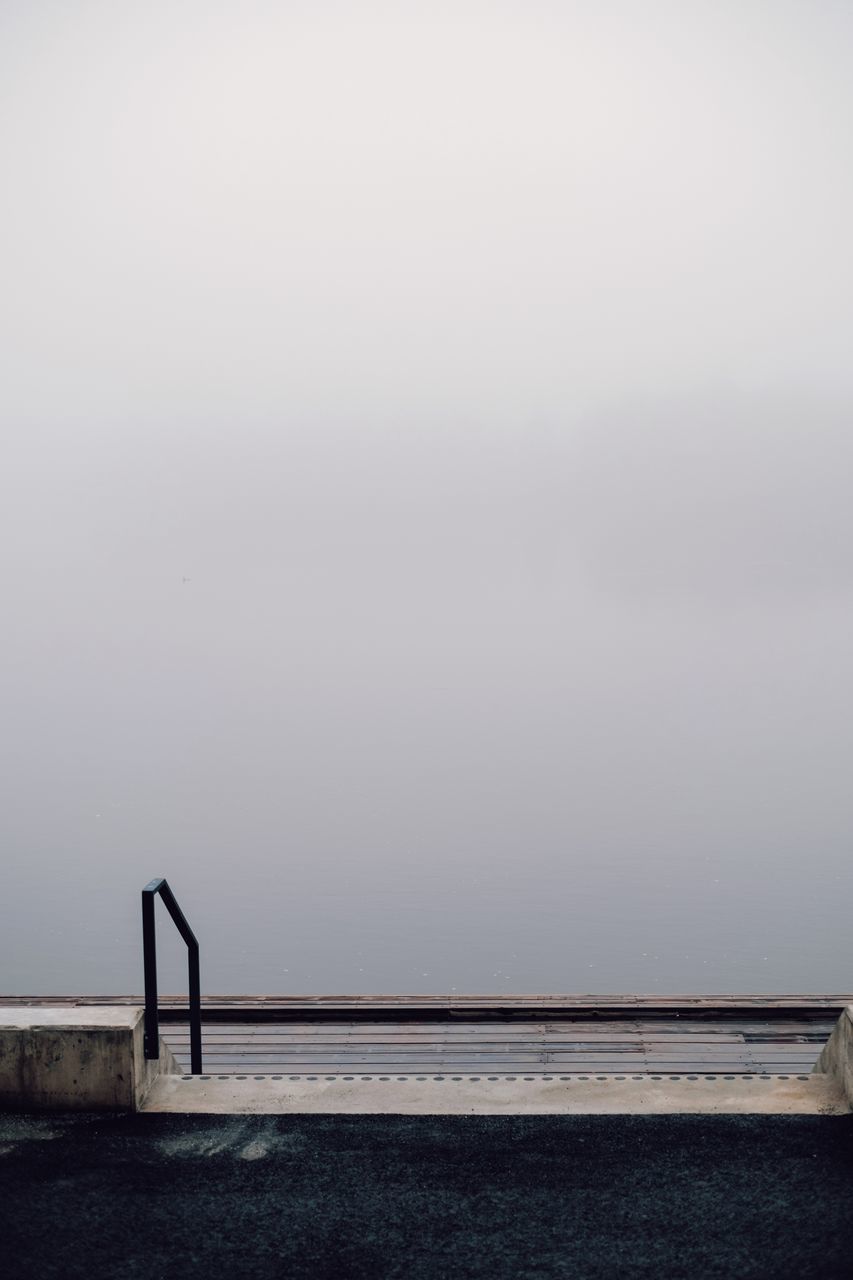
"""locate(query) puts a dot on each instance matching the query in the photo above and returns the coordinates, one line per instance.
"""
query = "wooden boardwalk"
(305, 1008)
(403, 1048)
(495, 1035)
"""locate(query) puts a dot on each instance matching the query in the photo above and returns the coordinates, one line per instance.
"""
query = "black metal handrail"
(149, 958)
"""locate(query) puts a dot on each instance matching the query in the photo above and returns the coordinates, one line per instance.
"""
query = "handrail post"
(149, 959)
(195, 1010)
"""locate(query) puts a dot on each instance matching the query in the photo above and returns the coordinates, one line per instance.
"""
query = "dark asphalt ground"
(452, 1196)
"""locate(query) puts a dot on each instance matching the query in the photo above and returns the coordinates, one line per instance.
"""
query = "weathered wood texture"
(773, 1047)
(441, 1008)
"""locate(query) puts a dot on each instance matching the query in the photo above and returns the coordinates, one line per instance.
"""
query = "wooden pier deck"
(498, 1035)
(641, 1046)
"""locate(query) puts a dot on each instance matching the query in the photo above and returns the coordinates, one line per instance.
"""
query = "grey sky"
(426, 489)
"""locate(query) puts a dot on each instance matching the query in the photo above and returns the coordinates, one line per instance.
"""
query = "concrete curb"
(836, 1059)
(533, 1095)
(76, 1059)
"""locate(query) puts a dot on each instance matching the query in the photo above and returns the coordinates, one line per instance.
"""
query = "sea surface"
(272, 919)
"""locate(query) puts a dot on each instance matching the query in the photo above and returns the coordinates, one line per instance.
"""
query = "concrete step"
(533, 1095)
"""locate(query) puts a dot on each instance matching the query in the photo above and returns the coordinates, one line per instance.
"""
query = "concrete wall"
(836, 1060)
(88, 1059)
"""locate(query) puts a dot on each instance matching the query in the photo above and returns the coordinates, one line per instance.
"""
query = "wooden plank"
(582, 1035)
(708, 1033)
(638, 1046)
(430, 1069)
(481, 1007)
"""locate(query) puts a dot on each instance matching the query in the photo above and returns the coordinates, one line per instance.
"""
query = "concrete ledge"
(86, 1059)
(341, 1095)
(836, 1059)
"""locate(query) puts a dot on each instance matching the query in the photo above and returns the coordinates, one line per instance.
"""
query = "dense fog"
(425, 506)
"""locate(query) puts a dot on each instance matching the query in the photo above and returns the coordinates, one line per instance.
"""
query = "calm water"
(270, 924)
(430, 877)
(373, 749)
